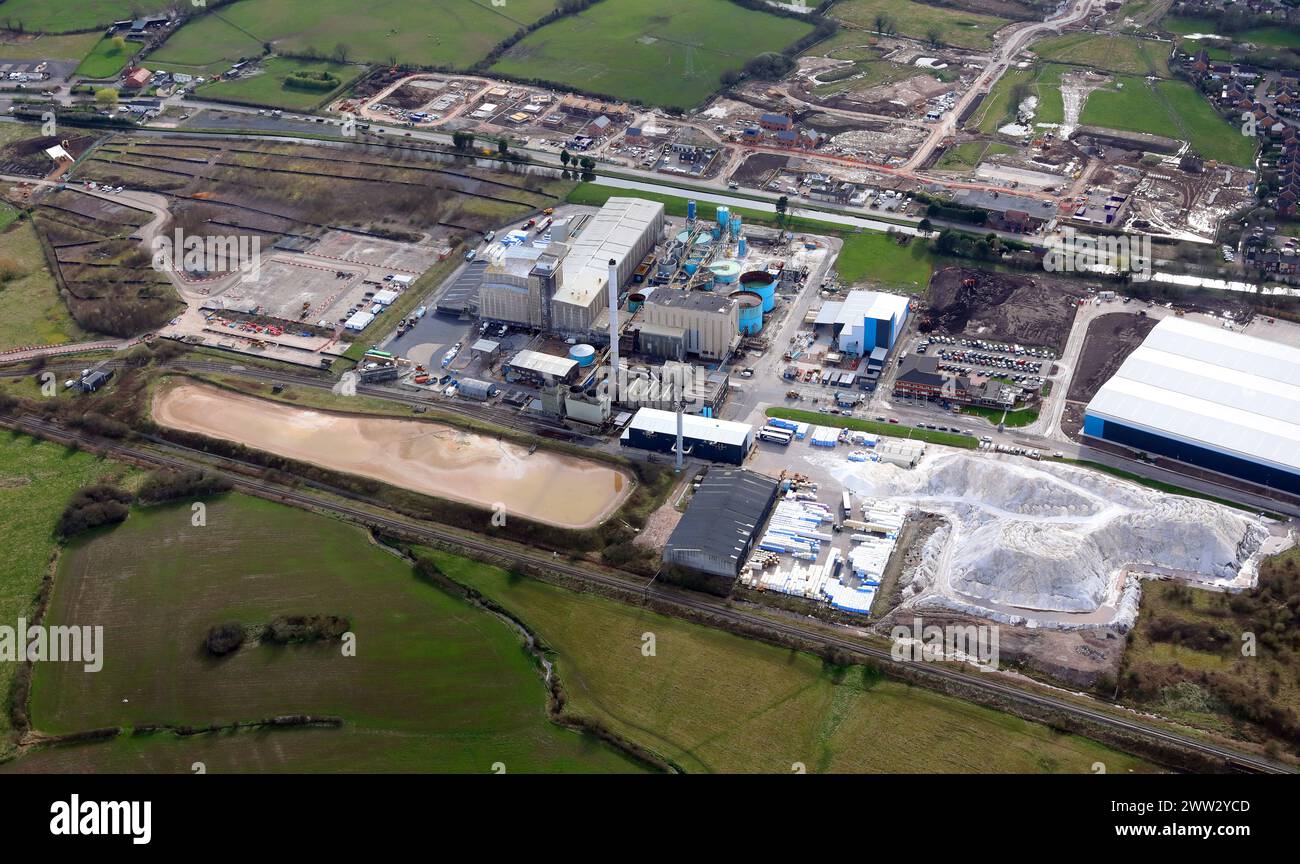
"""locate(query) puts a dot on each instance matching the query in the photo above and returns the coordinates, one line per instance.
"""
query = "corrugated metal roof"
(544, 364)
(719, 524)
(693, 426)
(860, 305)
(1211, 387)
(612, 233)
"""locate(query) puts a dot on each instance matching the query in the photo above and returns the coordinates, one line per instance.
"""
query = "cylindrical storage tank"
(742, 251)
(690, 210)
(584, 354)
(750, 307)
(735, 225)
(724, 215)
(763, 284)
(725, 273)
(716, 233)
(691, 266)
(634, 301)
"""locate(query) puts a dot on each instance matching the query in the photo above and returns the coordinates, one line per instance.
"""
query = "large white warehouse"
(1209, 397)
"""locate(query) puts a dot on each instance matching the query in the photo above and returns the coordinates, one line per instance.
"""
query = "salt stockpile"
(1053, 543)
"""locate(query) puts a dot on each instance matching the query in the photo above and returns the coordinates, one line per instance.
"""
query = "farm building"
(1209, 397)
(717, 532)
(702, 437)
(865, 320)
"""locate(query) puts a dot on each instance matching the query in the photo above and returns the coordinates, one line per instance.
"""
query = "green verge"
(1013, 419)
(1164, 487)
(890, 430)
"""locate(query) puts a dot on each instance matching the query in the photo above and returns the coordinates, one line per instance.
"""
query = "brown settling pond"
(431, 458)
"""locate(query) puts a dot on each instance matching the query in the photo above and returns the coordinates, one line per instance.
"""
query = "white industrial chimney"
(613, 331)
(681, 407)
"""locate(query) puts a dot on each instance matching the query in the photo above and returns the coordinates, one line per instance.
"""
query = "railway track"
(489, 414)
(426, 532)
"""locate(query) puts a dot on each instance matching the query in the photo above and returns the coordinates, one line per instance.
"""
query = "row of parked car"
(993, 360)
(984, 345)
(1028, 382)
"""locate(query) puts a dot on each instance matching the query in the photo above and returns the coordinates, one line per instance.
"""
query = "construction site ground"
(1009, 308)
(1109, 341)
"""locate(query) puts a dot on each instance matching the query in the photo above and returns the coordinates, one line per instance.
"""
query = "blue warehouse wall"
(1203, 457)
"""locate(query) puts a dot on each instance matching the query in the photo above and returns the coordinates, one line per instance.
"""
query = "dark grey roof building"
(722, 522)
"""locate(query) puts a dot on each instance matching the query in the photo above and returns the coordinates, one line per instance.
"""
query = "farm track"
(997, 692)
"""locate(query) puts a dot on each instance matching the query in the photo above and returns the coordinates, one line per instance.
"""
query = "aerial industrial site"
(871, 386)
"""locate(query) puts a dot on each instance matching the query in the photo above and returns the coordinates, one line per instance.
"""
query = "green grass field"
(1042, 80)
(891, 430)
(671, 53)
(435, 684)
(106, 59)
(1011, 419)
(865, 74)
(868, 256)
(72, 46)
(878, 259)
(1170, 108)
(455, 33)
(58, 16)
(1113, 53)
(1277, 37)
(956, 27)
(997, 109)
(268, 88)
(713, 702)
(965, 156)
(31, 311)
(36, 480)
(1214, 49)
